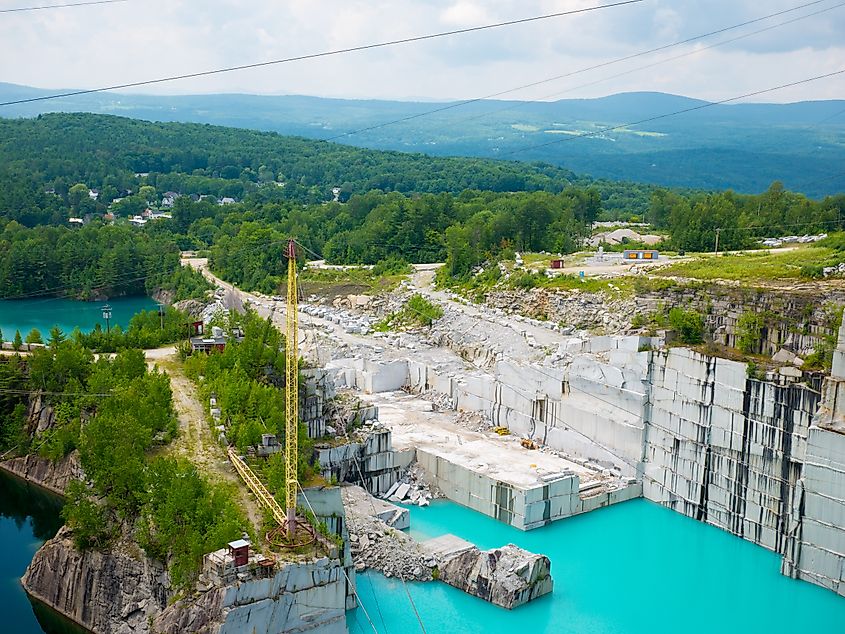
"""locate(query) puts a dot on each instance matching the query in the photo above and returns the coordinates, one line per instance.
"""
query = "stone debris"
(413, 488)
(376, 545)
(834, 271)
(785, 356)
(441, 401)
(474, 421)
(508, 576)
(573, 310)
(352, 323)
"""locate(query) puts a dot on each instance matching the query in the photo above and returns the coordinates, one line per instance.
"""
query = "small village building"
(640, 254)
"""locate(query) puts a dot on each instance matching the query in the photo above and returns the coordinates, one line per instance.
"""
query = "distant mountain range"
(742, 146)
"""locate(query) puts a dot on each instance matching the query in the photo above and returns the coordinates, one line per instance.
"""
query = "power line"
(61, 6)
(569, 74)
(660, 62)
(828, 118)
(42, 393)
(352, 49)
(343, 570)
(675, 113)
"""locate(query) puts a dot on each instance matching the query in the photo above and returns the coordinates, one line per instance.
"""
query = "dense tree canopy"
(348, 204)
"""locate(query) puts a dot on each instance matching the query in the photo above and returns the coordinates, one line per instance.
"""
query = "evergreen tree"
(56, 337)
(34, 336)
(18, 340)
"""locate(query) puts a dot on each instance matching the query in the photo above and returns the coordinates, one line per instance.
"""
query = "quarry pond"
(632, 568)
(28, 516)
(67, 314)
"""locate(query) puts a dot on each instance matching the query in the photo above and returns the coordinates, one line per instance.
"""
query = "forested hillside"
(106, 152)
(240, 194)
(91, 262)
(744, 146)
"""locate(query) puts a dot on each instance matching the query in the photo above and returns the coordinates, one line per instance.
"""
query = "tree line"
(91, 262)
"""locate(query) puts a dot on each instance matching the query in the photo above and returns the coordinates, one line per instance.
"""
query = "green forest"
(119, 415)
(90, 262)
(346, 204)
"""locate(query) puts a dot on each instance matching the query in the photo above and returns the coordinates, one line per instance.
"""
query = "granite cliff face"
(300, 597)
(53, 476)
(122, 591)
(108, 592)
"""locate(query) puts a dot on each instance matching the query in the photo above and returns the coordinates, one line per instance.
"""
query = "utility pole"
(161, 316)
(718, 231)
(107, 317)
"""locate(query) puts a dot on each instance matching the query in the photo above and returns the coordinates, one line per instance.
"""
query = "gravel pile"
(474, 421)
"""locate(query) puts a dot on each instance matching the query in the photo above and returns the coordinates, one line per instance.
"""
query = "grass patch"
(756, 265)
(416, 312)
(333, 283)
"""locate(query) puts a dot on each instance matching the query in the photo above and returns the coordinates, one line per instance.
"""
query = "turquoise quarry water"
(28, 517)
(633, 568)
(44, 313)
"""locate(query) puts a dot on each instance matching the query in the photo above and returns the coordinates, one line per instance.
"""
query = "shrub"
(689, 325)
(748, 330)
(526, 280)
(423, 311)
(392, 265)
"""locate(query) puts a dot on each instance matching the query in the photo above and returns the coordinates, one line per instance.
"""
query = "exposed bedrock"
(53, 476)
(108, 592)
(300, 597)
(508, 576)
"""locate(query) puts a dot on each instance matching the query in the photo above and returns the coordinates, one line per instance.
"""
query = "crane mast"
(291, 393)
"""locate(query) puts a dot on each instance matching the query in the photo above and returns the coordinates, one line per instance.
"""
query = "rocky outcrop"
(193, 307)
(300, 597)
(40, 416)
(108, 592)
(574, 308)
(508, 576)
(163, 296)
(53, 476)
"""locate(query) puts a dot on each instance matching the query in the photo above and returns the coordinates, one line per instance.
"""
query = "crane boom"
(291, 393)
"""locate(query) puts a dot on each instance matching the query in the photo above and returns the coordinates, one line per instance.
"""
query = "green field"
(755, 265)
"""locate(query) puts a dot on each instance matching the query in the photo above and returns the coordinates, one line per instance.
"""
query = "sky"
(95, 46)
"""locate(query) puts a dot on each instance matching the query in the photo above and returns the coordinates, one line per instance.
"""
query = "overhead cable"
(702, 106)
(61, 6)
(575, 72)
(341, 51)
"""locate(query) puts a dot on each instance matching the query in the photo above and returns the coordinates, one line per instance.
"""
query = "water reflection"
(29, 516)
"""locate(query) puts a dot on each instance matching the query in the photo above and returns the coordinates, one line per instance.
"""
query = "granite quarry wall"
(816, 546)
(724, 448)
(762, 459)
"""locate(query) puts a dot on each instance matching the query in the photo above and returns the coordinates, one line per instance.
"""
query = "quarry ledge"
(496, 475)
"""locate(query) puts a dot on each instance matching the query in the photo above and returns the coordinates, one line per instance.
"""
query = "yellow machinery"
(291, 393)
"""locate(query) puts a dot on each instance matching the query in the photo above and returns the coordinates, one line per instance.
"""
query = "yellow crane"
(291, 393)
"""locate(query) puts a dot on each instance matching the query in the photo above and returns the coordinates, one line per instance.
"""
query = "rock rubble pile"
(413, 488)
(567, 309)
(376, 545)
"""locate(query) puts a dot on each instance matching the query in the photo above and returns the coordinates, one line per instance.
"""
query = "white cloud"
(112, 44)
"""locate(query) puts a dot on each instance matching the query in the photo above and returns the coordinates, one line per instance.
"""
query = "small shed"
(557, 264)
(239, 550)
(640, 254)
